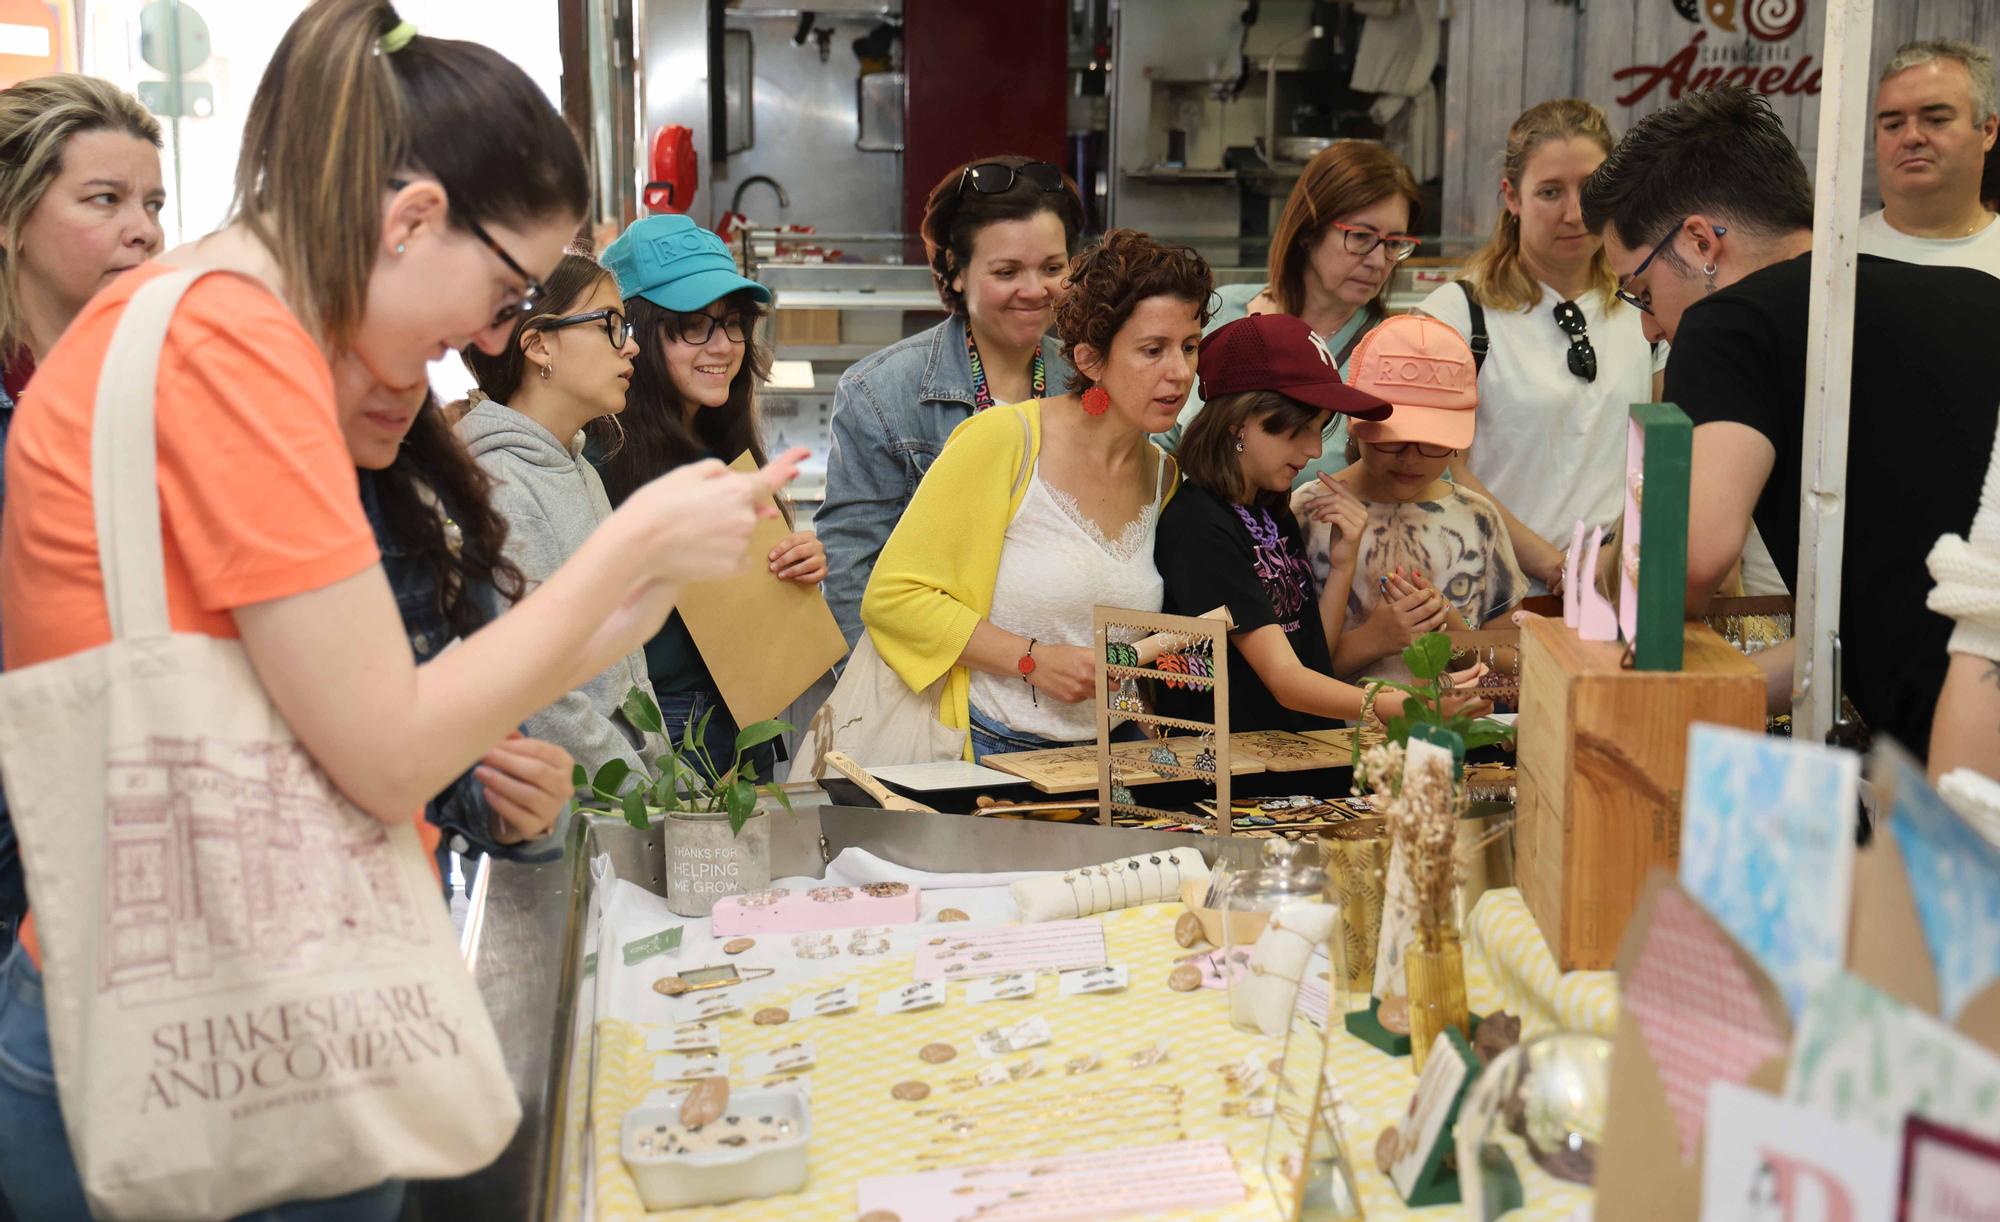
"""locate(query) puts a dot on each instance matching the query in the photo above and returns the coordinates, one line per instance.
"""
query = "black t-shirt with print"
(1213, 554)
(1926, 390)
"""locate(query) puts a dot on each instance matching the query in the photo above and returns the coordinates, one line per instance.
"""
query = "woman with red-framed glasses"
(1343, 231)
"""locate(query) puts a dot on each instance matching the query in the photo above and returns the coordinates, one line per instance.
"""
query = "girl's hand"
(1417, 607)
(527, 781)
(800, 557)
(693, 524)
(1347, 515)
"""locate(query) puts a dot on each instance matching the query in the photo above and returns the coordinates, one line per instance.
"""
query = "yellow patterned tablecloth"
(860, 1130)
(1503, 934)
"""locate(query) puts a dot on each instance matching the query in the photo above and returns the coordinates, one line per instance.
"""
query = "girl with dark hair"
(396, 196)
(999, 233)
(1045, 509)
(567, 364)
(1230, 538)
(693, 396)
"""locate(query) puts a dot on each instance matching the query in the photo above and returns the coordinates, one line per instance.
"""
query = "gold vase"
(1355, 854)
(1437, 994)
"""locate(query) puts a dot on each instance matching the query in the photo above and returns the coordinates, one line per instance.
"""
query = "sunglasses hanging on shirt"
(1582, 357)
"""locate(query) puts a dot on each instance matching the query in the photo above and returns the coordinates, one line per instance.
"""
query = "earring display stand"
(1163, 634)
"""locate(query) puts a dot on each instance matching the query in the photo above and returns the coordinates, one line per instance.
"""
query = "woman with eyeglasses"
(1561, 359)
(1344, 228)
(999, 233)
(693, 396)
(567, 363)
(1434, 555)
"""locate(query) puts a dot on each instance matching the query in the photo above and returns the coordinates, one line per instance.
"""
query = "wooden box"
(1602, 758)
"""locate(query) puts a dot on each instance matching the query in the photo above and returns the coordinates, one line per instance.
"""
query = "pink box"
(781, 911)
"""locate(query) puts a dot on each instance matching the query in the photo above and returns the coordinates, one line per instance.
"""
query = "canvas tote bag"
(254, 991)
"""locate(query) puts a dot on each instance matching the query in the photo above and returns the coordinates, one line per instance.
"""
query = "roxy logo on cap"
(671, 246)
(1403, 369)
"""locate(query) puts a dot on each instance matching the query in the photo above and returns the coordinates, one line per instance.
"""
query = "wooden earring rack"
(1165, 634)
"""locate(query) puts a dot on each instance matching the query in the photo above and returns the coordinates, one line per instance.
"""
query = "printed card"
(687, 1068)
(665, 942)
(1012, 986)
(1764, 1158)
(1767, 846)
(688, 1037)
(1015, 1037)
(1948, 1176)
(923, 995)
(1092, 980)
(834, 1001)
(706, 1007)
(1044, 946)
(1865, 1058)
(1955, 878)
(792, 1058)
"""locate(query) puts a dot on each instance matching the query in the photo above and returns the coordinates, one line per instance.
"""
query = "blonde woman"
(1562, 359)
(80, 198)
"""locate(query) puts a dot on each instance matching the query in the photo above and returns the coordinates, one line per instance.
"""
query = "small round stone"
(937, 1054)
(1387, 1147)
(1276, 1066)
(911, 1092)
(671, 986)
(736, 946)
(1187, 930)
(880, 1215)
(952, 914)
(706, 1102)
(771, 1016)
(1184, 979)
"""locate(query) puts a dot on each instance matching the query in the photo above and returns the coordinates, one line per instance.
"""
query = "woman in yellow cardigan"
(1034, 514)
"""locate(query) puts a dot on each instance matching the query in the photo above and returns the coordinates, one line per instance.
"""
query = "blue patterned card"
(1955, 878)
(1767, 845)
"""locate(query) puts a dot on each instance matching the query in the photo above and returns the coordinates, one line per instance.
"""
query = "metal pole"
(1843, 124)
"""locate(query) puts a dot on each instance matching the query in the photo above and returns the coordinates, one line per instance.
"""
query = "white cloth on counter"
(856, 866)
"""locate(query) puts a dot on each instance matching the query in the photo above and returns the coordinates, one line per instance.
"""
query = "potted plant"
(699, 800)
(1429, 660)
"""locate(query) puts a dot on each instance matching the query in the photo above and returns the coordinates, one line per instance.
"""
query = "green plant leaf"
(640, 710)
(578, 778)
(759, 734)
(1429, 655)
(635, 810)
(740, 800)
(611, 778)
(778, 792)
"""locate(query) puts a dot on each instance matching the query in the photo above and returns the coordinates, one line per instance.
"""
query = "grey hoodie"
(552, 499)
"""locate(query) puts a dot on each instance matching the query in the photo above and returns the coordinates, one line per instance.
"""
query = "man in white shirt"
(1935, 119)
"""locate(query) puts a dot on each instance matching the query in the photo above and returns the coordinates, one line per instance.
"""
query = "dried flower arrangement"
(1423, 809)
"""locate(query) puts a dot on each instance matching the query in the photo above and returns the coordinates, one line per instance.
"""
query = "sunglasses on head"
(995, 177)
(1582, 357)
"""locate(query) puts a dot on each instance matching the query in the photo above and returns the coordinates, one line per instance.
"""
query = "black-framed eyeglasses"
(994, 177)
(1645, 305)
(695, 330)
(616, 329)
(1582, 357)
(1428, 451)
(531, 290)
(1360, 240)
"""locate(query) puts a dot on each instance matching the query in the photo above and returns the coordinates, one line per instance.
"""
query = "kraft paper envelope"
(1697, 1010)
(765, 641)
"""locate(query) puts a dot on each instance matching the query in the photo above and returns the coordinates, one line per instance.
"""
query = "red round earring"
(1097, 401)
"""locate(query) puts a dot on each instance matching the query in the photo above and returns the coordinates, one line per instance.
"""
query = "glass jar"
(1265, 967)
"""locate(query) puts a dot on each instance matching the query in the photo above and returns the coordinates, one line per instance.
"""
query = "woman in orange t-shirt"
(397, 197)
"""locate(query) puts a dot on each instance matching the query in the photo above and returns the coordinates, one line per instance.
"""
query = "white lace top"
(1055, 566)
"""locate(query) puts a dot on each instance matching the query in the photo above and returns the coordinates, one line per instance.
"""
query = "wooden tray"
(1072, 769)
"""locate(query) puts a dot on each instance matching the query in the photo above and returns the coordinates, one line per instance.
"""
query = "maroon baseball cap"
(1279, 352)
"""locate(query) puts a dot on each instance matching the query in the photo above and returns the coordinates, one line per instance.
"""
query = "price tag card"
(1092, 980)
(706, 1007)
(1011, 986)
(665, 942)
(834, 1001)
(683, 1069)
(1015, 1037)
(688, 1037)
(792, 1058)
(920, 996)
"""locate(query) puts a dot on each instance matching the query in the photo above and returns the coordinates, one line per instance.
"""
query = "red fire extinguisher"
(675, 174)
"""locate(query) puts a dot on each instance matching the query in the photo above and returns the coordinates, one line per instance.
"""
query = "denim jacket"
(460, 811)
(892, 412)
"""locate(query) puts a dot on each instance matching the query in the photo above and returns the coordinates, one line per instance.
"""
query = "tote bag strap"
(124, 471)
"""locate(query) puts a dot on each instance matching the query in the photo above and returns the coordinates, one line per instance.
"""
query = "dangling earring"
(1096, 401)
(1239, 443)
(547, 370)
